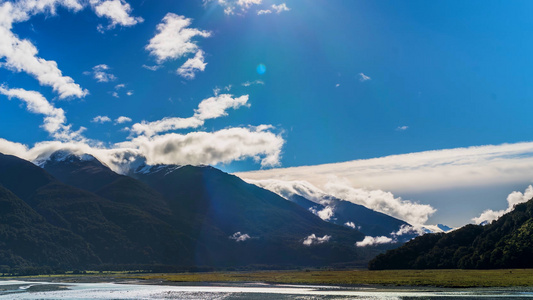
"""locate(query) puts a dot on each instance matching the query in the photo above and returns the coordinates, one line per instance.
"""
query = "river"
(13, 289)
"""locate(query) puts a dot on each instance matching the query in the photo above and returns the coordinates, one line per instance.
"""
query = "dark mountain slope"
(218, 205)
(118, 233)
(367, 221)
(27, 240)
(202, 217)
(74, 170)
(505, 243)
(87, 173)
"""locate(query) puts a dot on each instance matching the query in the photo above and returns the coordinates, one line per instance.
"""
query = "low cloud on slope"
(513, 199)
(378, 200)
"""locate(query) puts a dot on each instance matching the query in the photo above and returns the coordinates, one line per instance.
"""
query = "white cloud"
(120, 86)
(239, 237)
(210, 108)
(275, 8)
(101, 119)
(152, 68)
(280, 8)
(117, 11)
(337, 85)
(513, 199)
(54, 118)
(255, 82)
(364, 77)
(165, 124)
(385, 202)
(129, 93)
(223, 146)
(101, 74)
(412, 230)
(314, 240)
(215, 107)
(402, 128)
(192, 65)
(122, 119)
(174, 39)
(350, 224)
(11, 148)
(21, 55)
(195, 148)
(325, 214)
(372, 241)
(234, 6)
(378, 200)
(115, 94)
(419, 171)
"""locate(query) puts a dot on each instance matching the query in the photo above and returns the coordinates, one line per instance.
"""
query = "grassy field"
(439, 278)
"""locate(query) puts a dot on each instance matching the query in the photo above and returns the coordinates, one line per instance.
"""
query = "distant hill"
(505, 243)
(75, 212)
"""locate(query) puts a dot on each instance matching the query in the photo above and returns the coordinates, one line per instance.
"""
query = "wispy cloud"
(210, 108)
(419, 171)
(280, 8)
(54, 118)
(402, 128)
(234, 6)
(274, 9)
(152, 68)
(255, 82)
(363, 77)
(101, 119)
(378, 200)
(240, 237)
(101, 74)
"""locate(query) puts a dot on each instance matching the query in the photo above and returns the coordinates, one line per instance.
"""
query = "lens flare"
(261, 69)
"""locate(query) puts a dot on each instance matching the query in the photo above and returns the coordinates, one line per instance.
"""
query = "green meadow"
(427, 278)
(438, 278)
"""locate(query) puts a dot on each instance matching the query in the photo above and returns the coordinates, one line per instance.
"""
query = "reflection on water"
(43, 290)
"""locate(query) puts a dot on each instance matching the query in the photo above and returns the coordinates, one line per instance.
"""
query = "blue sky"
(344, 81)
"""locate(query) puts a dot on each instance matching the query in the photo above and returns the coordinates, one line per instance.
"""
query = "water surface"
(13, 289)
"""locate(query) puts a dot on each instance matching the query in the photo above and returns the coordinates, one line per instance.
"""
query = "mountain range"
(71, 211)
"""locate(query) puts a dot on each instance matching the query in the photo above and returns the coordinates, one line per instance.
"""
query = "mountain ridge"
(204, 217)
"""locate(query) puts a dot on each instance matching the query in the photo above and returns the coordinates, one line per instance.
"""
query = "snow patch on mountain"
(63, 156)
(152, 169)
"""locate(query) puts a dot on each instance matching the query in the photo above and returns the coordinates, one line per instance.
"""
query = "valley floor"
(388, 278)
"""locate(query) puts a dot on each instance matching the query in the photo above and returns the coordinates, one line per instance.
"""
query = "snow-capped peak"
(63, 156)
(151, 169)
(436, 228)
